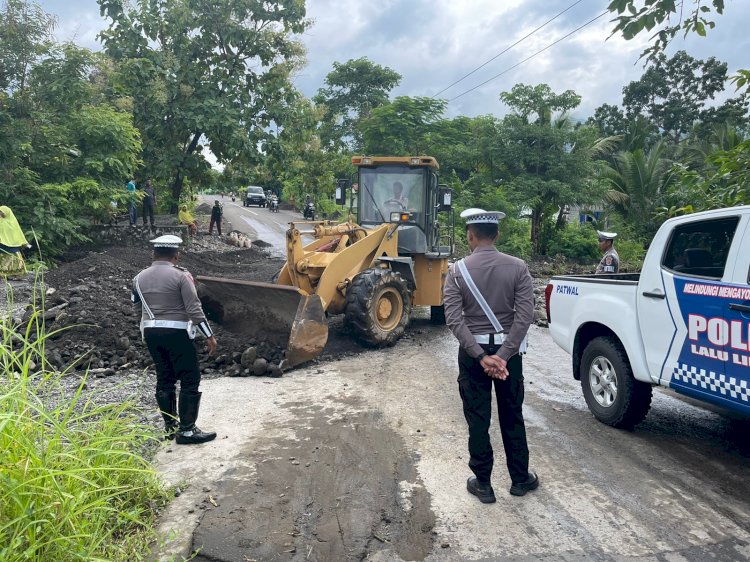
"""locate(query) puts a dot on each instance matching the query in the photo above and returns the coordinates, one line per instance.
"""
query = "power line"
(530, 56)
(508, 48)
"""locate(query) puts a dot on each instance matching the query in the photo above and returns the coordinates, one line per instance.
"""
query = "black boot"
(190, 433)
(167, 401)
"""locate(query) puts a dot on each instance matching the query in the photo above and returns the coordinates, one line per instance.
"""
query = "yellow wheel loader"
(372, 270)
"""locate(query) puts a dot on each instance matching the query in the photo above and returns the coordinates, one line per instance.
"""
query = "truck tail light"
(547, 294)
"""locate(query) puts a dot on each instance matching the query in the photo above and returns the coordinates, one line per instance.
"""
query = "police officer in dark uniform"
(489, 306)
(171, 314)
(610, 262)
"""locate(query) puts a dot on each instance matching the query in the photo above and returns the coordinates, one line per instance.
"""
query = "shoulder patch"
(608, 260)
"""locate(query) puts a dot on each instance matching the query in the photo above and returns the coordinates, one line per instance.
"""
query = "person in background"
(132, 208)
(149, 203)
(188, 219)
(12, 240)
(610, 262)
(216, 213)
(171, 314)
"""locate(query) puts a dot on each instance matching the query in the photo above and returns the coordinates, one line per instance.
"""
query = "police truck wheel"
(378, 306)
(612, 394)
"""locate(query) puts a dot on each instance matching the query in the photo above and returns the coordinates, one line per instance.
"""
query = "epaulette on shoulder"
(180, 267)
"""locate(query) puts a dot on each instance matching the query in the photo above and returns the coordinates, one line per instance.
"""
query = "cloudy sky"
(433, 43)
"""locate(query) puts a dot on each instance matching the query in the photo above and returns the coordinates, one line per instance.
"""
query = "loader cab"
(405, 190)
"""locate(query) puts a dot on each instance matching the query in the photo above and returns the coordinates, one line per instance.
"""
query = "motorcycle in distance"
(309, 211)
(273, 206)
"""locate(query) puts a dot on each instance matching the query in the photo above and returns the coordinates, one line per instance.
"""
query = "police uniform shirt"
(169, 291)
(610, 262)
(506, 285)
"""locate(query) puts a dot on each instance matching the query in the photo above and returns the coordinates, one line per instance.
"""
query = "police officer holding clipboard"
(171, 316)
(489, 306)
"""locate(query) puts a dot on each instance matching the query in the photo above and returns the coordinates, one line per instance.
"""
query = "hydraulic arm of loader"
(291, 314)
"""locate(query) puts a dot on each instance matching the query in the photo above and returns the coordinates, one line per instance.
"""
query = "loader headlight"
(402, 217)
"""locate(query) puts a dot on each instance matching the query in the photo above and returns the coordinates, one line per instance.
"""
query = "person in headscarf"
(12, 241)
(187, 218)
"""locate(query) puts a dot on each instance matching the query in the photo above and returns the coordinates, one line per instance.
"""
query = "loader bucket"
(281, 315)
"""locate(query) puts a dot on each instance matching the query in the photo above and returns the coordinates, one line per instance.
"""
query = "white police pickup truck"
(683, 322)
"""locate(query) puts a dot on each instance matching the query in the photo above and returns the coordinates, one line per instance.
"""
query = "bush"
(73, 485)
(575, 242)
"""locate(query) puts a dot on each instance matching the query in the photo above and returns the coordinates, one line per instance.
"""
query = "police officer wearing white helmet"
(171, 316)
(489, 306)
(610, 262)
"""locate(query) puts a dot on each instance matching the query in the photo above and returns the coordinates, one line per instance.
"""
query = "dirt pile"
(89, 296)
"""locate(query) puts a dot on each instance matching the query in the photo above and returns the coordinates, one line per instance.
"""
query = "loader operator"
(489, 306)
(171, 312)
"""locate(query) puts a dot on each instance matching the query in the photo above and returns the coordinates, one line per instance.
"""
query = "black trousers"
(148, 212)
(175, 358)
(215, 221)
(476, 393)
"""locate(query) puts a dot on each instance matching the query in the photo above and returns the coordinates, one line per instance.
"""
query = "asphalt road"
(365, 459)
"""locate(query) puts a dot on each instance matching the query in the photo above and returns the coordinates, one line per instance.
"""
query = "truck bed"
(616, 278)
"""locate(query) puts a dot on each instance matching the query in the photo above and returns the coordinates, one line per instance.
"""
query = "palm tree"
(636, 180)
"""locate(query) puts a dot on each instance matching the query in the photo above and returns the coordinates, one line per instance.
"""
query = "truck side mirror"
(445, 198)
(342, 186)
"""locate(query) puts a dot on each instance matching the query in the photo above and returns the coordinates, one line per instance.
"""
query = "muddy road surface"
(363, 456)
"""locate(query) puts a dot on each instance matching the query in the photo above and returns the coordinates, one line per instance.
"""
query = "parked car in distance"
(254, 196)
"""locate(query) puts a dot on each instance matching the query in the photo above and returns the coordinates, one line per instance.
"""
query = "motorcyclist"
(309, 210)
(274, 204)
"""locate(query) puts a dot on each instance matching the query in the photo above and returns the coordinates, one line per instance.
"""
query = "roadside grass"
(74, 484)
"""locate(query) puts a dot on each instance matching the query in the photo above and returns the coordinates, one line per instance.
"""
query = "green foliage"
(575, 242)
(405, 126)
(636, 182)
(548, 161)
(353, 90)
(204, 74)
(73, 485)
(635, 16)
(674, 94)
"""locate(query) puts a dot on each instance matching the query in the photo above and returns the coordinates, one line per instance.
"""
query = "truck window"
(700, 248)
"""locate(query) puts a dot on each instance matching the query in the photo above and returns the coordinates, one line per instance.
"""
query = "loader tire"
(612, 394)
(378, 307)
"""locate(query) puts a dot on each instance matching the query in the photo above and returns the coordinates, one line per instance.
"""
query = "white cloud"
(431, 43)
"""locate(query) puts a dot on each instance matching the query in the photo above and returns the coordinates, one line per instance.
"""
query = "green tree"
(25, 35)
(668, 18)
(405, 126)
(65, 144)
(636, 182)
(353, 90)
(203, 74)
(673, 93)
(548, 160)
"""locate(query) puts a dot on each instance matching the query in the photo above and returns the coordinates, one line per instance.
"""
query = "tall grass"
(73, 483)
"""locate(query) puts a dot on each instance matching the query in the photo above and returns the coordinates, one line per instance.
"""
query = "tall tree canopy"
(203, 73)
(353, 90)
(674, 94)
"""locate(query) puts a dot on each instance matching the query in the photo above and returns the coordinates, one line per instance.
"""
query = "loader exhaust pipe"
(283, 316)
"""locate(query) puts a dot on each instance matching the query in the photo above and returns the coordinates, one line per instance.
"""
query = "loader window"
(390, 188)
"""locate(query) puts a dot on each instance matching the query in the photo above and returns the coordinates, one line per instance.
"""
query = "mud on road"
(342, 488)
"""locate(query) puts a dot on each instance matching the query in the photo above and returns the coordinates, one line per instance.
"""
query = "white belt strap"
(484, 339)
(485, 308)
(176, 324)
(143, 301)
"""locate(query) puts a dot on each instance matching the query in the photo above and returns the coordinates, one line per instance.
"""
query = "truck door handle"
(740, 307)
(654, 294)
